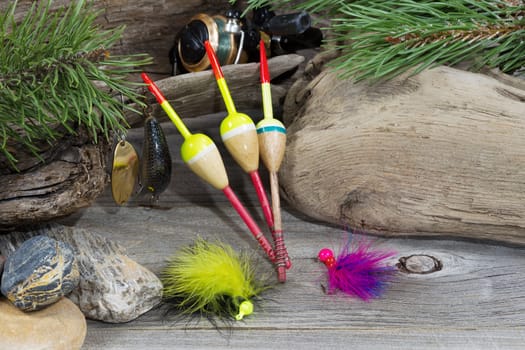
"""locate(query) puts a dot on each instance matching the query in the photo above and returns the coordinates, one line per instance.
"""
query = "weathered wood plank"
(165, 338)
(480, 288)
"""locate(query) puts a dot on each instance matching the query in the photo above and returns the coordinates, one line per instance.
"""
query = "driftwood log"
(73, 179)
(439, 153)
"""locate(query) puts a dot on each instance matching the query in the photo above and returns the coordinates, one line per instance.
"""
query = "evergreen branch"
(56, 75)
(383, 38)
(426, 34)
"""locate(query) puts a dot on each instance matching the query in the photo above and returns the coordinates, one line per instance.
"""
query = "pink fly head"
(327, 257)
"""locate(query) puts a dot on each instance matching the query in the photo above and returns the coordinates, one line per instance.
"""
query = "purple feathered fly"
(358, 270)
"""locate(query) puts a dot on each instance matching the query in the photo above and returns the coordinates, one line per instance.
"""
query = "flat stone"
(39, 272)
(60, 326)
(113, 288)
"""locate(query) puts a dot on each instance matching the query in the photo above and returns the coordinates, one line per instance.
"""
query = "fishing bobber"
(201, 155)
(271, 132)
(239, 135)
(240, 138)
(272, 143)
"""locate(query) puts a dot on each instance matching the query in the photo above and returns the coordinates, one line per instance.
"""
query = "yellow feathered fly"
(210, 279)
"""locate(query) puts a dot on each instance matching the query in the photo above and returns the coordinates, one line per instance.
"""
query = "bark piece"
(56, 189)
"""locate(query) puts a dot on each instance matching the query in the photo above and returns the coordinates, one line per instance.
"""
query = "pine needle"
(383, 38)
(57, 75)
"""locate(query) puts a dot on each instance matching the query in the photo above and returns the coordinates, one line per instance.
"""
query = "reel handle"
(288, 24)
(310, 38)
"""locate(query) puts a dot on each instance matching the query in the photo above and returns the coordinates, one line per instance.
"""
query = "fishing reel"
(235, 39)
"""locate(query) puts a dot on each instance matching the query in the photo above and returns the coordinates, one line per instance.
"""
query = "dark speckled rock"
(40, 272)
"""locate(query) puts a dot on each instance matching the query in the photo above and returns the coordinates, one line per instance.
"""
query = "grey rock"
(113, 288)
(38, 273)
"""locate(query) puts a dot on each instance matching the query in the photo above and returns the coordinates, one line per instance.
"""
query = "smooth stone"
(113, 288)
(39, 272)
(60, 326)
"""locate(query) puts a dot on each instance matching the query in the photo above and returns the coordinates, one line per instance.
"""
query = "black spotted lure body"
(155, 171)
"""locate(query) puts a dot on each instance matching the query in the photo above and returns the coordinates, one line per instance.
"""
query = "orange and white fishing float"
(200, 153)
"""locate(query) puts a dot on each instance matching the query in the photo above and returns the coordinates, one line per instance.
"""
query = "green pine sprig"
(57, 74)
(383, 38)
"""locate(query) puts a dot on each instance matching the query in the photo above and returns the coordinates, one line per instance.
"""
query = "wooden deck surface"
(477, 300)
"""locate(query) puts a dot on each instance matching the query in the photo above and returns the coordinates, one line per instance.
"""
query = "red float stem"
(263, 199)
(248, 220)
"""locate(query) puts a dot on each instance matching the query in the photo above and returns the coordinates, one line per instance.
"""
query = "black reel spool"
(202, 27)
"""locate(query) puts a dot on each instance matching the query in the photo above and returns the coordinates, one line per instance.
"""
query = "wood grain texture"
(73, 180)
(439, 153)
(476, 300)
